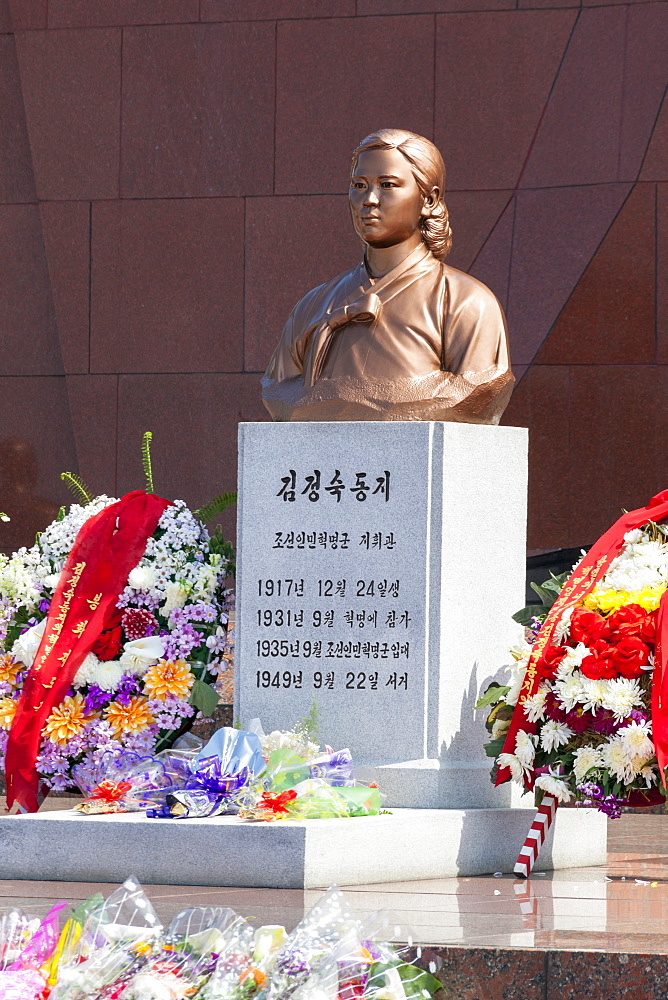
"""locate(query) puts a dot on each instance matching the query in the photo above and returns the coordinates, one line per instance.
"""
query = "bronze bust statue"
(401, 336)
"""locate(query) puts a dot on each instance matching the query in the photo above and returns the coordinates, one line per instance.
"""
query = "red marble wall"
(172, 178)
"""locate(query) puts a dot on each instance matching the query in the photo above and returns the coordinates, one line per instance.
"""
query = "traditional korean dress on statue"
(423, 342)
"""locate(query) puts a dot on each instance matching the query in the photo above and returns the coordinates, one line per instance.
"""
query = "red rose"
(550, 660)
(108, 645)
(599, 664)
(633, 621)
(630, 656)
(588, 626)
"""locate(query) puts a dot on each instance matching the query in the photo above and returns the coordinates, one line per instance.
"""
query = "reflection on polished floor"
(622, 907)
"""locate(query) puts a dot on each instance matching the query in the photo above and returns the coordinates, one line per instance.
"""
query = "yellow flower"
(9, 670)
(168, 678)
(67, 720)
(134, 717)
(607, 601)
(7, 712)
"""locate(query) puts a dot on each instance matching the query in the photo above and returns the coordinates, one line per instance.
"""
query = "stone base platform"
(405, 845)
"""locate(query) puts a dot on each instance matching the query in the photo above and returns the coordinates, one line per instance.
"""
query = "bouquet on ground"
(283, 775)
(117, 949)
(133, 592)
(583, 718)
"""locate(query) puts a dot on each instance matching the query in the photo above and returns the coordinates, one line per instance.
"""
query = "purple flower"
(181, 642)
(594, 795)
(44, 605)
(97, 699)
(128, 687)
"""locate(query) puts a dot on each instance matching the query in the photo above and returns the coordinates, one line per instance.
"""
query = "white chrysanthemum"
(623, 695)
(649, 775)
(554, 786)
(141, 578)
(525, 748)
(517, 671)
(554, 734)
(637, 741)
(521, 651)
(614, 758)
(563, 626)
(514, 764)
(643, 563)
(84, 674)
(288, 740)
(569, 691)
(594, 693)
(26, 646)
(140, 654)
(584, 759)
(534, 705)
(572, 661)
(107, 674)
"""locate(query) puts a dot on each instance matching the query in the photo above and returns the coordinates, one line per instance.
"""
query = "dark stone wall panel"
(167, 286)
(292, 244)
(610, 318)
(16, 177)
(66, 235)
(22, 15)
(36, 445)
(542, 403)
(662, 275)
(655, 165)
(71, 91)
(473, 216)
(337, 81)
(267, 10)
(492, 264)
(190, 415)
(103, 13)
(557, 231)
(93, 405)
(617, 458)
(493, 76)
(645, 61)
(198, 110)
(430, 6)
(29, 342)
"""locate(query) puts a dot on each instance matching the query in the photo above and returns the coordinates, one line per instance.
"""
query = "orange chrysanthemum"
(168, 678)
(134, 717)
(67, 720)
(7, 712)
(9, 670)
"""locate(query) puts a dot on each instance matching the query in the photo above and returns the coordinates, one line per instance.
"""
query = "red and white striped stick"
(536, 836)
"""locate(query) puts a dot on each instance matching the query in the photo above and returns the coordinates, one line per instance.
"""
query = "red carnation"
(630, 656)
(548, 663)
(599, 664)
(633, 621)
(138, 623)
(108, 645)
(588, 626)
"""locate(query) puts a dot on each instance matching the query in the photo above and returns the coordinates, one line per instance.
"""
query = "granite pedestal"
(408, 844)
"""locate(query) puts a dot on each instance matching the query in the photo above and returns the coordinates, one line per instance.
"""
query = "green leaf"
(494, 747)
(547, 596)
(494, 693)
(60, 516)
(146, 460)
(215, 506)
(416, 982)
(204, 698)
(526, 615)
(77, 486)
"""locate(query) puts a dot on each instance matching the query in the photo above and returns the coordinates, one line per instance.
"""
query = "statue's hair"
(429, 172)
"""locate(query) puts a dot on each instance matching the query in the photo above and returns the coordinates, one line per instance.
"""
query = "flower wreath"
(159, 663)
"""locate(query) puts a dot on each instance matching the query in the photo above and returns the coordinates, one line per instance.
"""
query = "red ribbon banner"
(109, 545)
(580, 583)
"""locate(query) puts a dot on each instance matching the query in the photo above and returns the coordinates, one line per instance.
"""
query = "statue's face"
(386, 203)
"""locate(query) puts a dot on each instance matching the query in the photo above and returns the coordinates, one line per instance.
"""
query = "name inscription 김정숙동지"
(331, 595)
